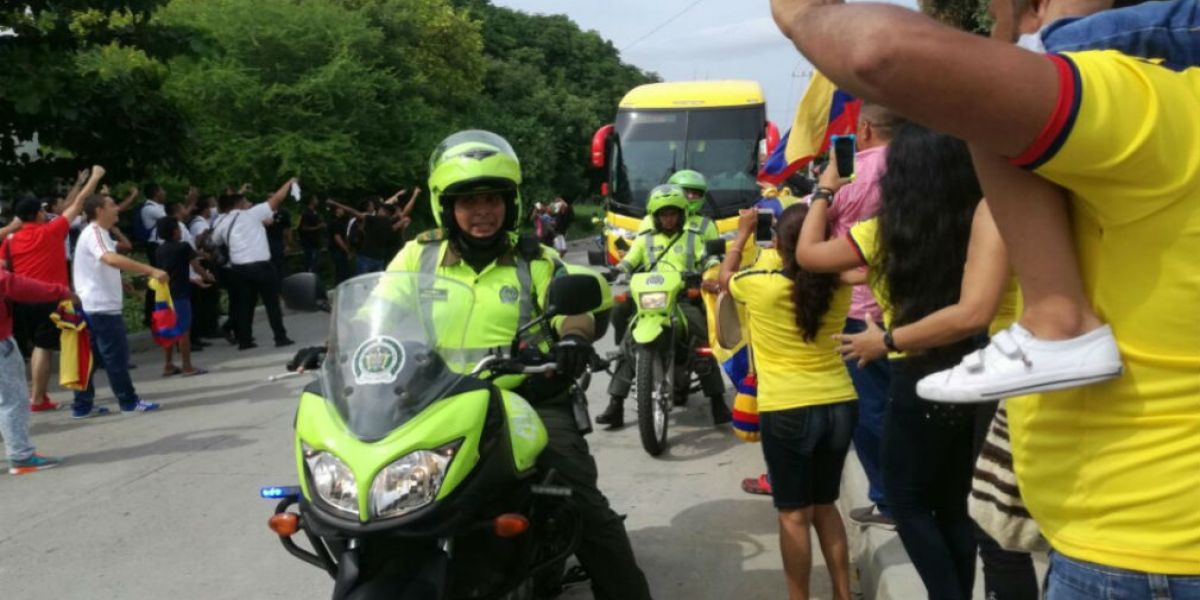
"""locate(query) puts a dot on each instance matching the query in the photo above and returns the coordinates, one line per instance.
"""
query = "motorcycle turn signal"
(510, 525)
(285, 524)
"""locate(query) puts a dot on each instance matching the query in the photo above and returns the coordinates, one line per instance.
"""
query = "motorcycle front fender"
(649, 327)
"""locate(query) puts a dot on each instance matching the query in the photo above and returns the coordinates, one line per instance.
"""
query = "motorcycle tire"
(654, 392)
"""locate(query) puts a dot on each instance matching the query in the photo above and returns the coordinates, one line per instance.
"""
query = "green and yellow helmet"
(666, 196)
(469, 162)
(691, 180)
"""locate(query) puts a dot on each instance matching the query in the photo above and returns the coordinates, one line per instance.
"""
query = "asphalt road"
(165, 505)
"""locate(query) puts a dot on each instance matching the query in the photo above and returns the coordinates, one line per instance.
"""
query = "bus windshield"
(721, 143)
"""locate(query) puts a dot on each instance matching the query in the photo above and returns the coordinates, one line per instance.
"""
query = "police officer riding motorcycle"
(671, 243)
(474, 184)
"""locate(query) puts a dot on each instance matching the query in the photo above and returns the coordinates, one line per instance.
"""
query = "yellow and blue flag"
(824, 111)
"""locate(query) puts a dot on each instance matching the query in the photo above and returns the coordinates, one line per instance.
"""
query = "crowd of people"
(71, 247)
(1032, 242)
(1023, 241)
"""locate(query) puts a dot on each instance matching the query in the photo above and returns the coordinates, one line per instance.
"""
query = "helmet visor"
(474, 143)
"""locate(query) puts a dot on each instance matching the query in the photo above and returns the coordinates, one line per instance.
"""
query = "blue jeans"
(14, 402)
(367, 264)
(871, 383)
(805, 449)
(111, 345)
(1070, 579)
(1165, 30)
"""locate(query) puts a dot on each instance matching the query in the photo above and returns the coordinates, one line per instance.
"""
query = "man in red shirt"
(14, 412)
(38, 251)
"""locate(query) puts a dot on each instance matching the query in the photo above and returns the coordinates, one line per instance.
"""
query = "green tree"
(548, 87)
(84, 79)
(340, 93)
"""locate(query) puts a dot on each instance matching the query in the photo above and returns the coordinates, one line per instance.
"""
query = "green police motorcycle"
(653, 331)
(416, 461)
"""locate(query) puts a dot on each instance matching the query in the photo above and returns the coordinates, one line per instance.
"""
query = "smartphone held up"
(844, 148)
(764, 230)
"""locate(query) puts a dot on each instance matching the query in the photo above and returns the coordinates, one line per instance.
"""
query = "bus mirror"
(772, 137)
(600, 146)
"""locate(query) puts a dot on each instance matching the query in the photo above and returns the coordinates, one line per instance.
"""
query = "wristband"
(825, 194)
(888, 342)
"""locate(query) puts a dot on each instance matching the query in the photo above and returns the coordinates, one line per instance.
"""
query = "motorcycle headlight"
(653, 300)
(411, 482)
(333, 480)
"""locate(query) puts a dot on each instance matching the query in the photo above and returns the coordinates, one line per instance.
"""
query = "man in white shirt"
(153, 209)
(242, 228)
(97, 273)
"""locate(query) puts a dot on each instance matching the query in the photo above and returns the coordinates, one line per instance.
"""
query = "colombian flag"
(823, 112)
(162, 320)
(75, 355)
(736, 362)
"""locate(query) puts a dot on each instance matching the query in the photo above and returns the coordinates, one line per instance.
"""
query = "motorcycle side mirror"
(597, 258)
(304, 292)
(573, 295)
(715, 247)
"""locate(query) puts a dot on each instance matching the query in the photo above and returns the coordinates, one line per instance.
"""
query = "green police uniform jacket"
(508, 293)
(706, 227)
(685, 254)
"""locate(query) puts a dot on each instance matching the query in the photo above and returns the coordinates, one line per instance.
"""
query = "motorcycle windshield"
(385, 361)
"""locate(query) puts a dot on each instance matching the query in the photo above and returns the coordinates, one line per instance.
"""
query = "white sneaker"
(1015, 363)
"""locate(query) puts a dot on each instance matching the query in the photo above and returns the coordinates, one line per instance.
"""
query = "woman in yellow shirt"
(806, 402)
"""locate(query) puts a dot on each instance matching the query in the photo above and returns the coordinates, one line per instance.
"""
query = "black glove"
(573, 354)
(611, 275)
(307, 358)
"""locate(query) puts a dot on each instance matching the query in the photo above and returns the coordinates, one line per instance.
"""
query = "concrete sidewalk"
(884, 571)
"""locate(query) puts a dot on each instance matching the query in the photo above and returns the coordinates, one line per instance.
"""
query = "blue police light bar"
(277, 492)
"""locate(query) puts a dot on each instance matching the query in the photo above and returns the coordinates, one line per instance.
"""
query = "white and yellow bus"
(718, 128)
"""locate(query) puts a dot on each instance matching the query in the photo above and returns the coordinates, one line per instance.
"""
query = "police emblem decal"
(378, 361)
(509, 294)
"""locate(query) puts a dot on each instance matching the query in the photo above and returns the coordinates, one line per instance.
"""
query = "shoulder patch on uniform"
(431, 236)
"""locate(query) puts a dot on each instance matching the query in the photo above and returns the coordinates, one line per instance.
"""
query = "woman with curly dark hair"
(916, 251)
(806, 402)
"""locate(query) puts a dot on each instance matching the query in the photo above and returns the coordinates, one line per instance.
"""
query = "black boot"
(720, 412)
(614, 415)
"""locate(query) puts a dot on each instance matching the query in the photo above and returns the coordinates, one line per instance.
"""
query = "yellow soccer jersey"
(792, 372)
(1111, 471)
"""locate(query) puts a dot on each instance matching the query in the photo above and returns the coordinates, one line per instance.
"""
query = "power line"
(663, 24)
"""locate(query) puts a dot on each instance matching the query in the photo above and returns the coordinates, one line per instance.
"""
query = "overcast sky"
(713, 39)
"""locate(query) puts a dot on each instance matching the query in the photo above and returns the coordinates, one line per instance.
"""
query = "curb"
(882, 569)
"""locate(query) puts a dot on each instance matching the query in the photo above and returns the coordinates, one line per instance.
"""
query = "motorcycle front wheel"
(654, 394)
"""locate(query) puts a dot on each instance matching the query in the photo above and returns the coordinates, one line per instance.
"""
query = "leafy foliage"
(351, 95)
(84, 79)
(548, 87)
